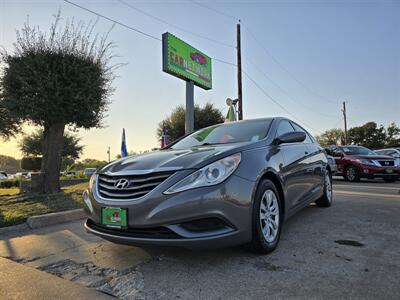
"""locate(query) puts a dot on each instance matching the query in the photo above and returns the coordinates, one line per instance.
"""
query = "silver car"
(224, 185)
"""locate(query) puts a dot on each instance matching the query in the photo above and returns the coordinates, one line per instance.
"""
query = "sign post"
(186, 62)
(189, 112)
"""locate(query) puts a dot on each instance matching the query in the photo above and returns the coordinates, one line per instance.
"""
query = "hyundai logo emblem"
(121, 184)
(386, 162)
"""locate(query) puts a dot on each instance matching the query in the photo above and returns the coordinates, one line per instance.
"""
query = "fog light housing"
(366, 171)
(86, 199)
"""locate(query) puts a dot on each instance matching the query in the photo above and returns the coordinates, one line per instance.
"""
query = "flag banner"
(124, 152)
(164, 138)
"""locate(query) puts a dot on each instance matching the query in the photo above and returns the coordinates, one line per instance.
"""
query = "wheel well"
(328, 167)
(274, 178)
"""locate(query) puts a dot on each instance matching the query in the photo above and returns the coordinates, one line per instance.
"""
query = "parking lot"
(350, 250)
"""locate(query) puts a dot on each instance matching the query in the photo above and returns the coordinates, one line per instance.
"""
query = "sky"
(301, 60)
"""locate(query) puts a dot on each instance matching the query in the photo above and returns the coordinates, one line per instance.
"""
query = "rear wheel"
(267, 218)
(327, 197)
(351, 174)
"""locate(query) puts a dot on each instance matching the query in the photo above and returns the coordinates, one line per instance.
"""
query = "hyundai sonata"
(224, 185)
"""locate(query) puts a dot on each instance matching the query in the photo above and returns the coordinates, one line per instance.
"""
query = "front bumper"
(172, 220)
(379, 172)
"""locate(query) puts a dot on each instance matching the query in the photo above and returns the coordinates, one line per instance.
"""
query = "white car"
(393, 152)
(3, 175)
(89, 171)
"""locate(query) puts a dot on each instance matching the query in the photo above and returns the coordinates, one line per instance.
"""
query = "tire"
(327, 197)
(266, 201)
(389, 179)
(351, 174)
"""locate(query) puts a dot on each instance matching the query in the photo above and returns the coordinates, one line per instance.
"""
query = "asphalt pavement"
(347, 251)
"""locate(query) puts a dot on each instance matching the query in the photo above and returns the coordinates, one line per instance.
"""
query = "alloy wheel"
(328, 187)
(351, 173)
(269, 215)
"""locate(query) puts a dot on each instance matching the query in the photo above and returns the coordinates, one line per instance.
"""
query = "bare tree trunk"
(51, 161)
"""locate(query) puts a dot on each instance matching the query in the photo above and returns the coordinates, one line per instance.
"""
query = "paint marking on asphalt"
(367, 187)
(367, 194)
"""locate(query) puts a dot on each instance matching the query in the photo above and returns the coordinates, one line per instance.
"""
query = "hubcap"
(269, 215)
(328, 187)
(351, 173)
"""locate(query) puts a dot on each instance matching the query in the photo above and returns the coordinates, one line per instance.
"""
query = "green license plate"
(114, 217)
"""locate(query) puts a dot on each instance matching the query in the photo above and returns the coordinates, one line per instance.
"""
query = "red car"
(355, 162)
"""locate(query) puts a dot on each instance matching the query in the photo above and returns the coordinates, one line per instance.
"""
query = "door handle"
(306, 152)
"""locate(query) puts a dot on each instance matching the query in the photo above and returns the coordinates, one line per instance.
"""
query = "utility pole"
(345, 122)
(239, 71)
(109, 154)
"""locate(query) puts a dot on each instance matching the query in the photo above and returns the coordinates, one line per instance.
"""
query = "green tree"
(368, 135)
(57, 79)
(9, 164)
(89, 163)
(31, 163)
(175, 123)
(33, 144)
(331, 137)
(392, 135)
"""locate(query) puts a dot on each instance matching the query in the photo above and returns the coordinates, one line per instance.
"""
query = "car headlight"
(211, 174)
(366, 162)
(92, 181)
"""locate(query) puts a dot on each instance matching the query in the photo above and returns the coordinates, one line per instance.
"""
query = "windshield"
(357, 150)
(228, 133)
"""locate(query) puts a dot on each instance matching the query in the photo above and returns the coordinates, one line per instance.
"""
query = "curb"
(44, 220)
(55, 218)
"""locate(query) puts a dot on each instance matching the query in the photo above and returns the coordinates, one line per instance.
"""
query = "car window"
(298, 128)
(284, 127)
(356, 150)
(227, 133)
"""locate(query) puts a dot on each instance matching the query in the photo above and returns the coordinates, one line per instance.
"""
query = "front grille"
(386, 163)
(153, 232)
(135, 186)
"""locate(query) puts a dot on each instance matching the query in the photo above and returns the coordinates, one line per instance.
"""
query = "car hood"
(371, 157)
(170, 159)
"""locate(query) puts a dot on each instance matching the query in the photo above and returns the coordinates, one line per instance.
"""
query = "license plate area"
(114, 217)
(389, 171)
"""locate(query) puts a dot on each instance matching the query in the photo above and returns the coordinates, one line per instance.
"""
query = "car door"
(296, 162)
(316, 161)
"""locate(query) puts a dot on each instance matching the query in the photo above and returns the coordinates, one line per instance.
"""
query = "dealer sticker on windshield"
(114, 217)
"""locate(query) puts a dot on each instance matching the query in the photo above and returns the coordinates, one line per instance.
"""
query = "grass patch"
(16, 208)
(9, 192)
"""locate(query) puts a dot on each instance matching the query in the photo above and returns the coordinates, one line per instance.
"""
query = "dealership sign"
(186, 62)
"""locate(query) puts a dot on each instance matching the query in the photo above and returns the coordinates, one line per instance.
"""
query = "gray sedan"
(228, 184)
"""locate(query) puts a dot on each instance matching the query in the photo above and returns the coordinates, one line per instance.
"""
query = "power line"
(175, 26)
(283, 90)
(216, 11)
(284, 68)
(216, 59)
(277, 103)
(115, 21)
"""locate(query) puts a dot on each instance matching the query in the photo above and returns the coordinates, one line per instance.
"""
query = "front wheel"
(327, 197)
(267, 218)
(351, 174)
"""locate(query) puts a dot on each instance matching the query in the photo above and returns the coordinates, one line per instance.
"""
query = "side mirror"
(290, 137)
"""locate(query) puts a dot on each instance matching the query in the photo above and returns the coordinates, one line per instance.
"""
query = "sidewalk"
(22, 282)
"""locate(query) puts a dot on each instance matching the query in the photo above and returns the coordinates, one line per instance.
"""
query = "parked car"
(228, 184)
(89, 171)
(3, 175)
(332, 164)
(393, 152)
(356, 162)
